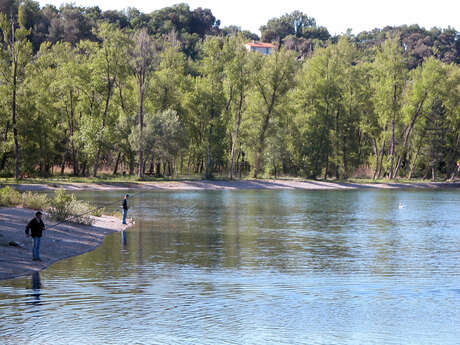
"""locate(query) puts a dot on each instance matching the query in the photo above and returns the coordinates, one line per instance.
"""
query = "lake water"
(254, 267)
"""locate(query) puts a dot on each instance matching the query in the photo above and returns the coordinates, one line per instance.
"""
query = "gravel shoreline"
(63, 241)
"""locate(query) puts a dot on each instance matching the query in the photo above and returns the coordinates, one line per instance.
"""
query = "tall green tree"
(206, 104)
(273, 78)
(110, 64)
(424, 93)
(144, 57)
(15, 54)
(238, 75)
(318, 106)
(390, 73)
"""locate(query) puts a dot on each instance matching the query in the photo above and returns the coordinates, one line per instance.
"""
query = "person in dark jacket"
(36, 227)
(125, 208)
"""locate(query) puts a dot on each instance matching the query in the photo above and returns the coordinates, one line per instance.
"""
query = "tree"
(317, 99)
(206, 104)
(15, 54)
(109, 65)
(273, 78)
(289, 24)
(389, 79)
(238, 81)
(144, 57)
(164, 138)
(424, 92)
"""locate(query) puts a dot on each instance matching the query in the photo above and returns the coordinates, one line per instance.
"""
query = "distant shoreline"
(64, 241)
(230, 185)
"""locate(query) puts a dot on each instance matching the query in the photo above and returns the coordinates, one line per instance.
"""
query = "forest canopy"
(85, 91)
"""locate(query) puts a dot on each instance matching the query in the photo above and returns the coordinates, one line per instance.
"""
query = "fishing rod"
(85, 213)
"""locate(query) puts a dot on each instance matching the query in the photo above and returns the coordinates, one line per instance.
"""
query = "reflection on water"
(254, 267)
(35, 290)
(124, 241)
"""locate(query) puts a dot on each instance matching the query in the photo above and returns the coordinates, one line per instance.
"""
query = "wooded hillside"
(172, 93)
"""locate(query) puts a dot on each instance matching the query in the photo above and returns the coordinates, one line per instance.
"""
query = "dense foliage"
(170, 92)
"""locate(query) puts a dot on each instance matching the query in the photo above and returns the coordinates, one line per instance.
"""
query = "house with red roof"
(263, 48)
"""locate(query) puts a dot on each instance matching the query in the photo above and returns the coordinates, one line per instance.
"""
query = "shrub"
(9, 197)
(81, 212)
(60, 205)
(35, 201)
(97, 212)
(66, 207)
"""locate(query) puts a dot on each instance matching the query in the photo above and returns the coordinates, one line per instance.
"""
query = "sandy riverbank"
(231, 185)
(61, 242)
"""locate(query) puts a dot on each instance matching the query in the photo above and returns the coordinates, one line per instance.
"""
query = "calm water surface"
(254, 267)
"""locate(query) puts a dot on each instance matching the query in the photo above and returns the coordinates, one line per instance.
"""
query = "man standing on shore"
(36, 227)
(125, 208)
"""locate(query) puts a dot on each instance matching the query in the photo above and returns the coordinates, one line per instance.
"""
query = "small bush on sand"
(35, 201)
(10, 197)
(60, 205)
(98, 212)
(66, 207)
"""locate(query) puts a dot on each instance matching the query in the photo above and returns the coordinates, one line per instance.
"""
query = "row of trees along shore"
(170, 93)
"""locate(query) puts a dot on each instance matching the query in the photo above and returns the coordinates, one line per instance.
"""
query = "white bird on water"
(401, 205)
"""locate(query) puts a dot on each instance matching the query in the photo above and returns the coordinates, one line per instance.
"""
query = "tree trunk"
(141, 125)
(380, 164)
(260, 149)
(63, 166)
(83, 169)
(101, 134)
(336, 139)
(132, 162)
(3, 160)
(376, 152)
(392, 150)
(13, 117)
(72, 131)
(326, 170)
(143, 167)
(414, 163)
(5, 154)
(158, 168)
(455, 164)
(115, 169)
(237, 130)
(208, 171)
(407, 133)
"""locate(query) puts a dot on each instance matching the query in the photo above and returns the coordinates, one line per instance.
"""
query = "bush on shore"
(35, 201)
(10, 197)
(62, 207)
